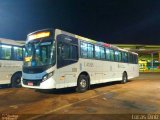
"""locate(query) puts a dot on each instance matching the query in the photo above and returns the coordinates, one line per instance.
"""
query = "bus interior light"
(6, 46)
(15, 47)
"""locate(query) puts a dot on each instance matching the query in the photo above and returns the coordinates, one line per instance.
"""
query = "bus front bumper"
(47, 84)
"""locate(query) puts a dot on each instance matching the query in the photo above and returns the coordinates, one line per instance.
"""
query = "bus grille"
(35, 82)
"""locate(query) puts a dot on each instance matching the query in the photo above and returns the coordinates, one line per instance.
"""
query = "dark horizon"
(110, 21)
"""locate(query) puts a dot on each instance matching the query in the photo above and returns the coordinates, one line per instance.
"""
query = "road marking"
(65, 106)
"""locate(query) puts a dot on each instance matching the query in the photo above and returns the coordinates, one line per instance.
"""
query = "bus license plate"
(30, 83)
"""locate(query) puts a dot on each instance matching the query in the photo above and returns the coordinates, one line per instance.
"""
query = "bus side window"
(74, 52)
(97, 52)
(61, 51)
(130, 58)
(67, 54)
(120, 56)
(112, 55)
(6, 52)
(87, 50)
(84, 50)
(67, 51)
(135, 59)
(107, 54)
(124, 57)
(17, 53)
(116, 56)
(102, 50)
(90, 51)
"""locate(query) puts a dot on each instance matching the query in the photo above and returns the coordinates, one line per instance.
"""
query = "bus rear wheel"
(16, 80)
(124, 78)
(82, 84)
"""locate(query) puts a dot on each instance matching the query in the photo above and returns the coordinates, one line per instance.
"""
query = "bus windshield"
(39, 53)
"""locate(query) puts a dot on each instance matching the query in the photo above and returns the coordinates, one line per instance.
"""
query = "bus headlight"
(50, 74)
(47, 76)
(44, 78)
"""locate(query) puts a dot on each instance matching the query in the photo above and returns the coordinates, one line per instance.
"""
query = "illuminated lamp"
(106, 45)
(27, 59)
(38, 35)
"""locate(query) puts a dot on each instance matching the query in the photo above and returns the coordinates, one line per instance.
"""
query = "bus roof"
(12, 42)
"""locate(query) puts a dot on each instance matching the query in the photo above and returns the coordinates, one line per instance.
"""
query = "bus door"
(67, 56)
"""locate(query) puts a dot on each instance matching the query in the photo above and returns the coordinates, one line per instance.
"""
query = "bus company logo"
(89, 65)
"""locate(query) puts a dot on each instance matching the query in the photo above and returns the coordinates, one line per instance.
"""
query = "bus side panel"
(91, 67)
(100, 71)
(133, 71)
(67, 76)
(7, 69)
(106, 71)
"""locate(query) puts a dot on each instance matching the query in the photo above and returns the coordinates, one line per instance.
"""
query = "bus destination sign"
(38, 35)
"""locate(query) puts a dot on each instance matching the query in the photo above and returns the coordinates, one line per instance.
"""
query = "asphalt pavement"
(138, 98)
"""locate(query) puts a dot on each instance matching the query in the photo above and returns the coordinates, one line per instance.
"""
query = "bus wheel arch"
(83, 82)
(16, 79)
(124, 77)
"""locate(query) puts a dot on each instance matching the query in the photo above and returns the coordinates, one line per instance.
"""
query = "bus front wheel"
(82, 84)
(16, 80)
(124, 78)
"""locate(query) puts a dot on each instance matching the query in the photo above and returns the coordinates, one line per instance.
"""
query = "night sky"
(111, 21)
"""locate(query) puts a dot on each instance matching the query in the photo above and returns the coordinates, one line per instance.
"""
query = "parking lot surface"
(139, 97)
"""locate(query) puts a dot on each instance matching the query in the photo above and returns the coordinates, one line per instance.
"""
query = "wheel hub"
(18, 81)
(125, 79)
(83, 83)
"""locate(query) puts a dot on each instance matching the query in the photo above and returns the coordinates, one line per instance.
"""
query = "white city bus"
(11, 61)
(58, 59)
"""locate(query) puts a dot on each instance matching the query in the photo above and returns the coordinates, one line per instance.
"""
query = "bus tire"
(124, 78)
(82, 83)
(16, 80)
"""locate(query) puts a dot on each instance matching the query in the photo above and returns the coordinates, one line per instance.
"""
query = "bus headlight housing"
(47, 76)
